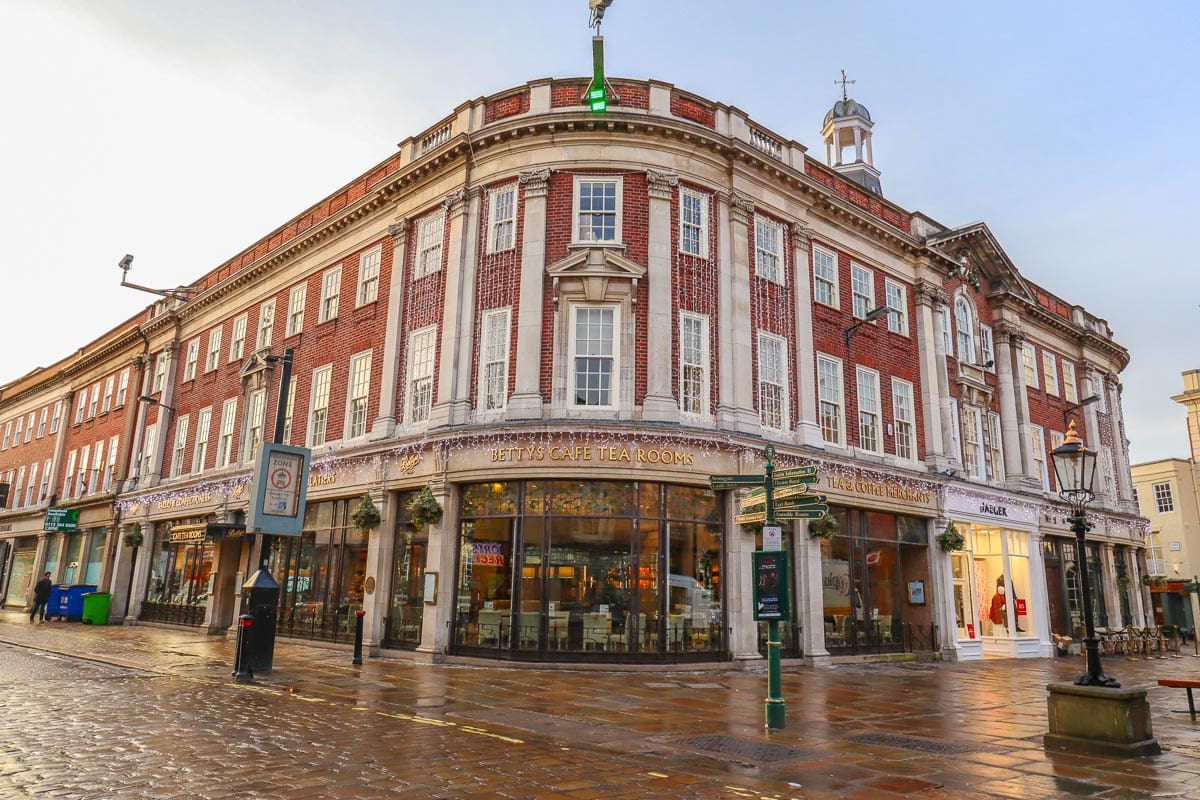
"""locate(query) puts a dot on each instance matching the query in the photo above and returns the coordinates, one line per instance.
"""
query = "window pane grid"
(693, 214)
(1164, 502)
(767, 244)
(360, 383)
(318, 416)
(902, 411)
(421, 376)
(368, 276)
(597, 211)
(503, 217)
(829, 381)
(770, 381)
(693, 357)
(896, 301)
(824, 277)
(868, 411)
(862, 290)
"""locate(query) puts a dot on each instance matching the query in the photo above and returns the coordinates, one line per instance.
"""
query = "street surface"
(144, 712)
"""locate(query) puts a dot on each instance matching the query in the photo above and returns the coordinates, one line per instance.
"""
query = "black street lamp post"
(1075, 469)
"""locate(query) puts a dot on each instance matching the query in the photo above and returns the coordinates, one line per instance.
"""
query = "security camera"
(126, 262)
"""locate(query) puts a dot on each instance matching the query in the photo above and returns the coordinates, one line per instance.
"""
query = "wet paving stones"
(147, 712)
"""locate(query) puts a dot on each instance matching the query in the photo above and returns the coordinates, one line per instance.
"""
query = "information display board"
(278, 490)
(771, 601)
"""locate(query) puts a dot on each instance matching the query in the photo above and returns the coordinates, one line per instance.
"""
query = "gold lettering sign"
(317, 479)
(603, 454)
(185, 500)
(187, 533)
(888, 489)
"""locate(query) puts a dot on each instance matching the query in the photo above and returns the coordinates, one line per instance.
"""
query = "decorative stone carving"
(802, 236)
(1007, 332)
(928, 293)
(535, 181)
(741, 207)
(661, 185)
(454, 203)
(398, 230)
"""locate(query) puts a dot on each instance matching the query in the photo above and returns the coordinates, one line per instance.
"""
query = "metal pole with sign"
(777, 495)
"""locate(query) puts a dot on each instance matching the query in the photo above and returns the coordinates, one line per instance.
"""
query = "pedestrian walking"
(41, 596)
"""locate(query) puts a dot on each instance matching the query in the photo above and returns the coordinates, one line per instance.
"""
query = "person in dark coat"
(41, 596)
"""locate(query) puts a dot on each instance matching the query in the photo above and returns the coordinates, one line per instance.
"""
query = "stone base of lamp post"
(1095, 719)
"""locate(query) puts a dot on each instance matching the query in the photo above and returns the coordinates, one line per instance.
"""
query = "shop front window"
(407, 608)
(991, 583)
(177, 591)
(602, 569)
(94, 562)
(875, 572)
(321, 574)
(71, 573)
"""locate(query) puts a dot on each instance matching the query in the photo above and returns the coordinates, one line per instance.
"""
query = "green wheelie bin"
(95, 607)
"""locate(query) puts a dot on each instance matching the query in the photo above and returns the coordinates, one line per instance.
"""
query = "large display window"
(20, 578)
(609, 570)
(177, 591)
(990, 580)
(1063, 586)
(407, 603)
(874, 578)
(321, 573)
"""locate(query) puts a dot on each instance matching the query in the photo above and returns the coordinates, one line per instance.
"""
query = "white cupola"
(847, 135)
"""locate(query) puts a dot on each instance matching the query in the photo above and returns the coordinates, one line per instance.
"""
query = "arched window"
(964, 324)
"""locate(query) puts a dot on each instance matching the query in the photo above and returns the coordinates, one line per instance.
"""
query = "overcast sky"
(181, 133)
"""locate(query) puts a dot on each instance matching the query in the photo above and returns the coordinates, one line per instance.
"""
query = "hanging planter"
(424, 509)
(366, 516)
(950, 539)
(1123, 580)
(825, 527)
(134, 537)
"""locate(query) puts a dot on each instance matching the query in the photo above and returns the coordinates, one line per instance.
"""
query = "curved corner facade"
(528, 338)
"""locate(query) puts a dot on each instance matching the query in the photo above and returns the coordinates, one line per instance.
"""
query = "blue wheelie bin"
(66, 602)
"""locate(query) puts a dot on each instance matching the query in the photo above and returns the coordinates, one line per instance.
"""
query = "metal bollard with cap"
(358, 636)
(241, 669)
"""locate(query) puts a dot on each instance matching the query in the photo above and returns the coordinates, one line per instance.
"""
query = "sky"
(183, 132)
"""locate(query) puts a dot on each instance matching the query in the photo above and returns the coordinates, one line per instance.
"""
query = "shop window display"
(874, 574)
(321, 573)
(579, 572)
(991, 584)
(407, 607)
(177, 591)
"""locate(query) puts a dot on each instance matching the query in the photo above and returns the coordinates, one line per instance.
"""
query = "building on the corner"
(560, 324)
(1168, 494)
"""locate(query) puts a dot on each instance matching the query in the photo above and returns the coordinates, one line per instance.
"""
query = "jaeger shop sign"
(1001, 509)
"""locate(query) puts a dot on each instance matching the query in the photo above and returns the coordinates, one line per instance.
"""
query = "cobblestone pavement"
(146, 712)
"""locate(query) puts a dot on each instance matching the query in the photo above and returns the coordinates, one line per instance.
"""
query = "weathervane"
(843, 82)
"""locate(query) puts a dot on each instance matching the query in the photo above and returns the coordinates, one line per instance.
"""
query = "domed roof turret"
(848, 107)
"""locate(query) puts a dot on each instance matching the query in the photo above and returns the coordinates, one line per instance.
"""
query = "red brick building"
(557, 325)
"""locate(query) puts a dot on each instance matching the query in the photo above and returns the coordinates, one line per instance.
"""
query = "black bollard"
(245, 631)
(358, 628)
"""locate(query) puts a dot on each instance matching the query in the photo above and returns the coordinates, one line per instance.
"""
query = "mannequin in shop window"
(997, 614)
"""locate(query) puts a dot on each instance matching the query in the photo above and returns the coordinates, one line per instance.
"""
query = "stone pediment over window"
(596, 274)
(972, 388)
(255, 371)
